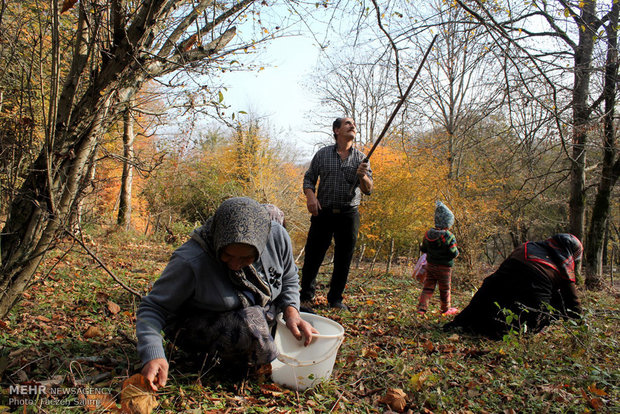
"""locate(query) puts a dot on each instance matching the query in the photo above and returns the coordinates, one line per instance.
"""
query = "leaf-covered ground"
(73, 333)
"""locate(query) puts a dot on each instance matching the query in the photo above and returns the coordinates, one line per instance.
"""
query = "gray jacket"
(195, 280)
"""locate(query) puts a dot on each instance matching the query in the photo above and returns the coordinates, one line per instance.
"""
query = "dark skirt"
(241, 337)
(514, 289)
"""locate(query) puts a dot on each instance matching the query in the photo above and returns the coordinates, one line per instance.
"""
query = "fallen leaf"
(557, 392)
(471, 384)
(395, 398)
(264, 370)
(43, 318)
(351, 358)
(101, 297)
(92, 332)
(417, 381)
(454, 337)
(475, 353)
(428, 346)
(113, 307)
(98, 402)
(137, 396)
(597, 391)
(596, 403)
(369, 353)
(271, 389)
(447, 348)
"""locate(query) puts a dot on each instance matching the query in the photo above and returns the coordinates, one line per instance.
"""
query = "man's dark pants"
(343, 226)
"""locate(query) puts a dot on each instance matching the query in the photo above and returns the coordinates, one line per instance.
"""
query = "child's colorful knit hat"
(444, 219)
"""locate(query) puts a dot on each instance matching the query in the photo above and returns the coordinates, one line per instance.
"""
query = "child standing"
(439, 244)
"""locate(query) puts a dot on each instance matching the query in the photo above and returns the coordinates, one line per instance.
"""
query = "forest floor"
(73, 333)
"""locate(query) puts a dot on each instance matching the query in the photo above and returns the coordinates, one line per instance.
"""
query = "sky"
(277, 93)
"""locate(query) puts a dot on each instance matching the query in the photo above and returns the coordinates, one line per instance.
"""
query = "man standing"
(334, 210)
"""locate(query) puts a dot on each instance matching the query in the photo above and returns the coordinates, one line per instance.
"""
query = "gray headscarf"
(239, 220)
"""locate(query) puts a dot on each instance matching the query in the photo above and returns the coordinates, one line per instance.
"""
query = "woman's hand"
(156, 372)
(298, 327)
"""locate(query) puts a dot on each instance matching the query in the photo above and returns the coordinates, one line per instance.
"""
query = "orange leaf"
(67, 5)
(596, 403)
(271, 389)
(370, 353)
(428, 346)
(42, 318)
(92, 332)
(113, 307)
(395, 398)
(447, 348)
(137, 396)
(597, 391)
(97, 402)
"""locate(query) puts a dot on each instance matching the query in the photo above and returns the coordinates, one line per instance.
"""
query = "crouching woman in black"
(536, 274)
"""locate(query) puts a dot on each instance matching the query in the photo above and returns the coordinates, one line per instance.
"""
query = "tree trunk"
(359, 259)
(124, 208)
(606, 242)
(602, 203)
(374, 258)
(581, 115)
(390, 257)
(300, 253)
(32, 226)
(611, 271)
(75, 219)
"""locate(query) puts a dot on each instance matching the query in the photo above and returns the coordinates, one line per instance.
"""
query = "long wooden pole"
(397, 108)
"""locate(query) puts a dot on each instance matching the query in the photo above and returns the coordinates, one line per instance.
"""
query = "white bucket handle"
(294, 362)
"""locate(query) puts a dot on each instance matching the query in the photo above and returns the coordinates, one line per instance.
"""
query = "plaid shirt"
(336, 177)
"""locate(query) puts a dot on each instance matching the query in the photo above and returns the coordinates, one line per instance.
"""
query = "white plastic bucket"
(300, 367)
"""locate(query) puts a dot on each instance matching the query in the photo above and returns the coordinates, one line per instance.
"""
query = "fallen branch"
(95, 359)
(95, 379)
(123, 285)
(127, 338)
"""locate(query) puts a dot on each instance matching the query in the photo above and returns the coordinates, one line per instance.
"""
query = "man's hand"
(365, 180)
(362, 169)
(312, 202)
(156, 372)
(298, 327)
